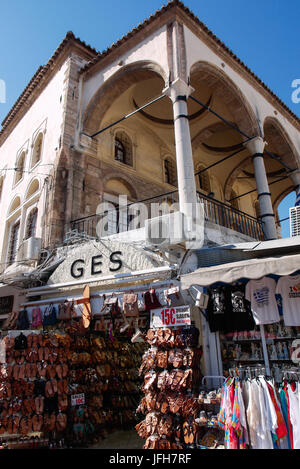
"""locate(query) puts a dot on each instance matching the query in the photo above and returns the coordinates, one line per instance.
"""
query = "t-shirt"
(261, 294)
(289, 289)
(228, 310)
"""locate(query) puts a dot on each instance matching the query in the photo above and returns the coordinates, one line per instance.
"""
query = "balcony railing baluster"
(215, 212)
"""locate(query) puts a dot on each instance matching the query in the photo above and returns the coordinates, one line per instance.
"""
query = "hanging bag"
(50, 317)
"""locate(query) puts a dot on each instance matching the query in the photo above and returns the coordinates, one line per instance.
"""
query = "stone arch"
(233, 176)
(116, 85)
(32, 189)
(230, 94)
(113, 180)
(282, 196)
(37, 149)
(276, 135)
(14, 205)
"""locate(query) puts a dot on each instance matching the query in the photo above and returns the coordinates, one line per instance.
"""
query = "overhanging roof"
(249, 269)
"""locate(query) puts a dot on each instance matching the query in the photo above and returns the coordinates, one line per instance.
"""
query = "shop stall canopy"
(250, 269)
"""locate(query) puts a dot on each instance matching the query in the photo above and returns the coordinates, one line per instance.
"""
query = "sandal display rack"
(171, 371)
(39, 379)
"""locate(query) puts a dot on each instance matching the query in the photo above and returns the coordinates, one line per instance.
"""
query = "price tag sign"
(170, 317)
(77, 399)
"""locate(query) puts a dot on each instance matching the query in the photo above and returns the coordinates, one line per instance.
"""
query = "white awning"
(250, 269)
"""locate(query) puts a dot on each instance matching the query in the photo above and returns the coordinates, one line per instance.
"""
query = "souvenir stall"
(254, 311)
(72, 367)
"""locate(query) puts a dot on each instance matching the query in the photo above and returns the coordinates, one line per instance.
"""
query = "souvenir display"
(171, 371)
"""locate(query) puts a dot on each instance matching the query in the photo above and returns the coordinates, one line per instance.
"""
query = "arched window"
(20, 167)
(170, 172)
(123, 148)
(203, 179)
(13, 243)
(37, 150)
(31, 224)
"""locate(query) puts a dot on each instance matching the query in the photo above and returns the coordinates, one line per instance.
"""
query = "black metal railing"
(216, 212)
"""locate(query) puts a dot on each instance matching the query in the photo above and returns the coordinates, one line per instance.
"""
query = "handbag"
(50, 318)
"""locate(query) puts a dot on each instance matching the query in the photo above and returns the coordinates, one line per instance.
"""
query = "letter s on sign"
(296, 93)
(115, 260)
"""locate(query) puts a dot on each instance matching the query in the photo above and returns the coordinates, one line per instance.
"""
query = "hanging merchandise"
(130, 304)
(22, 321)
(171, 379)
(151, 300)
(50, 316)
(253, 416)
(173, 297)
(37, 318)
(289, 289)
(111, 307)
(228, 310)
(261, 294)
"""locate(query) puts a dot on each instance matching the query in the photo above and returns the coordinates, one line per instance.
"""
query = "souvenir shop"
(253, 313)
(110, 343)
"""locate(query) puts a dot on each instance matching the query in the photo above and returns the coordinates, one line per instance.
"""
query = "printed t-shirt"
(261, 294)
(289, 289)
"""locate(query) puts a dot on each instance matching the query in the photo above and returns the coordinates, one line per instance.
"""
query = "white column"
(295, 177)
(178, 91)
(256, 148)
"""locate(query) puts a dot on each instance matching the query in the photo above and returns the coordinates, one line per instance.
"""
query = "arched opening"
(123, 148)
(19, 169)
(33, 188)
(203, 180)
(284, 213)
(16, 203)
(13, 242)
(37, 150)
(170, 175)
(31, 222)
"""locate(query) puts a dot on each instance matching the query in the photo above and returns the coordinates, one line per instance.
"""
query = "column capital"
(295, 177)
(177, 88)
(256, 145)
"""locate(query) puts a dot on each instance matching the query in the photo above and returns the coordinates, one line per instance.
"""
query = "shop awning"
(250, 269)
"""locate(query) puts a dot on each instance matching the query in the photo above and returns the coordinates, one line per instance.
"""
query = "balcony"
(216, 213)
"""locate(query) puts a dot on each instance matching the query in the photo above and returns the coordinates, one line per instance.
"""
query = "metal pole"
(265, 350)
(238, 130)
(127, 116)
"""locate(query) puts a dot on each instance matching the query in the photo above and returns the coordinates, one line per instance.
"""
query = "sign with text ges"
(170, 317)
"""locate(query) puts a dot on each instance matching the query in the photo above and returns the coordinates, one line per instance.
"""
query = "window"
(123, 148)
(13, 243)
(120, 152)
(20, 167)
(37, 150)
(203, 179)
(170, 172)
(31, 223)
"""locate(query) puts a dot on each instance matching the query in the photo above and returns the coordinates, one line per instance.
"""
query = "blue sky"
(262, 33)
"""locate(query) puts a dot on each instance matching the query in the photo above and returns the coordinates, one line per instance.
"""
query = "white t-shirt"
(289, 289)
(261, 294)
(295, 416)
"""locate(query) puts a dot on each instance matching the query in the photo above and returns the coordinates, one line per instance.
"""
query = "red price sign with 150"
(170, 317)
